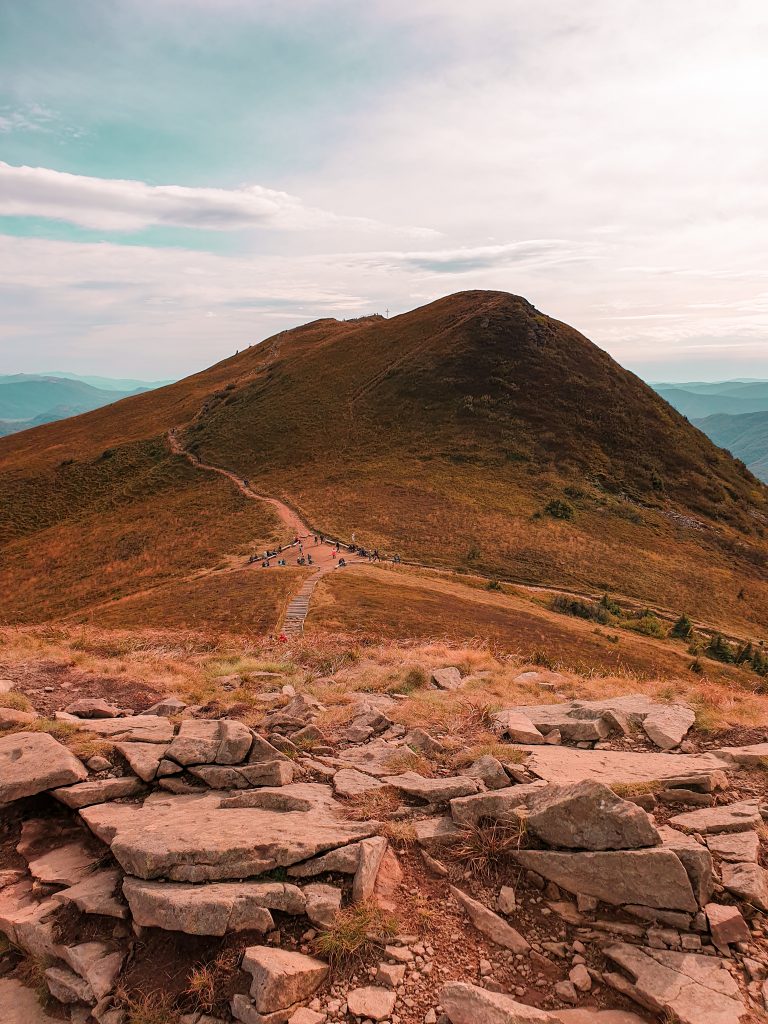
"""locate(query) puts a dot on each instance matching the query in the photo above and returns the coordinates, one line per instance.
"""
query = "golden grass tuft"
(151, 1008)
(487, 848)
(372, 805)
(16, 701)
(356, 932)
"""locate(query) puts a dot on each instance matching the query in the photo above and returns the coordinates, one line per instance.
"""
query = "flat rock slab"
(95, 894)
(692, 989)
(739, 847)
(564, 765)
(20, 1005)
(435, 791)
(497, 805)
(213, 909)
(98, 791)
(195, 839)
(134, 729)
(470, 1004)
(754, 754)
(350, 782)
(743, 816)
(374, 758)
(653, 877)
(66, 865)
(32, 762)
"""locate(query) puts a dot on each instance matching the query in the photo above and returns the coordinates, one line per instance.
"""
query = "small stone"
(506, 900)
(371, 1002)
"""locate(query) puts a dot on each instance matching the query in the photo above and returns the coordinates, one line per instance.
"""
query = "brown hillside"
(444, 434)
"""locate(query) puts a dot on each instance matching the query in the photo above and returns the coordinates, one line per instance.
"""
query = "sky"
(182, 178)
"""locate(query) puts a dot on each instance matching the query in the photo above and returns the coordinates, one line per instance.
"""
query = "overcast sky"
(181, 178)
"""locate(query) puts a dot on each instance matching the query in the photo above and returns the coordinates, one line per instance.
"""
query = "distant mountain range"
(27, 400)
(733, 413)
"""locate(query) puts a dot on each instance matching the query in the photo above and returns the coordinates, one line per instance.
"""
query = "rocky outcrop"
(195, 839)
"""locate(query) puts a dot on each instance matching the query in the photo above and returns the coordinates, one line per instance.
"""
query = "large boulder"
(281, 977)
(446, 678)
(589, 816)
(200, 741)
(667, 724)
(516, 726)
(652, 877)
(32, 762)
(747, 881)
(499, 805)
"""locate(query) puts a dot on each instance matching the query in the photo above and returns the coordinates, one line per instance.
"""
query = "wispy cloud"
(110, 204)
(535, 252)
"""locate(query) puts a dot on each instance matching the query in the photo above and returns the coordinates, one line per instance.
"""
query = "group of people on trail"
(307, 559)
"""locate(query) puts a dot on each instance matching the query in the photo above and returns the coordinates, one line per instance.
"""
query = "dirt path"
(325, 557)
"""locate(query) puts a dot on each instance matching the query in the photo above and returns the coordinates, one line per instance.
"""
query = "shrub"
(494, 585)
(489, 846)
(682, 629)
(610, 606)
(559, 509)
(581, 609)
(720, 650)
(648, 624)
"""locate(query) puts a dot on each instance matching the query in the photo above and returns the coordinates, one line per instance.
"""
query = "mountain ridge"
(473, 433)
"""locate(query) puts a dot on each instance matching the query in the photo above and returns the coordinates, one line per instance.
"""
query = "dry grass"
(206, 981)
(372, 805)
(406, 760)
(357, 931)
(16, 701)
(82, 743)
(488, 848)
(504, 752)
(627, 790)
(152, 1008)
(401, 834)
(31, 972)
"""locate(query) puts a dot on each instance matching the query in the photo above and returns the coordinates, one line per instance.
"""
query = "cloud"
(466, 259)
(110, 204)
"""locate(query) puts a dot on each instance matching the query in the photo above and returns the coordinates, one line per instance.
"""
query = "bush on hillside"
(648, 624)
(559, 509)
(581, 609)
(682, 629)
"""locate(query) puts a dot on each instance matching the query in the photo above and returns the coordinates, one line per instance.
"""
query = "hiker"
(265, 564)
(333, 553)
(309, 560)
(338, 545)
(342, 562)
(245, 483)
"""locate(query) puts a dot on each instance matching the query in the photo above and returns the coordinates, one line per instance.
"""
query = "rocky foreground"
(597, 866)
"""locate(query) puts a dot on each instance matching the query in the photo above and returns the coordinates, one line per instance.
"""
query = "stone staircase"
(298, 606)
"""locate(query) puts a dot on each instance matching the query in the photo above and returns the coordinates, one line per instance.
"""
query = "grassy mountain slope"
(745, 436)
(444, 434)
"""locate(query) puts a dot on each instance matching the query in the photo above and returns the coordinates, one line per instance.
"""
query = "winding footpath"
(323, 554)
